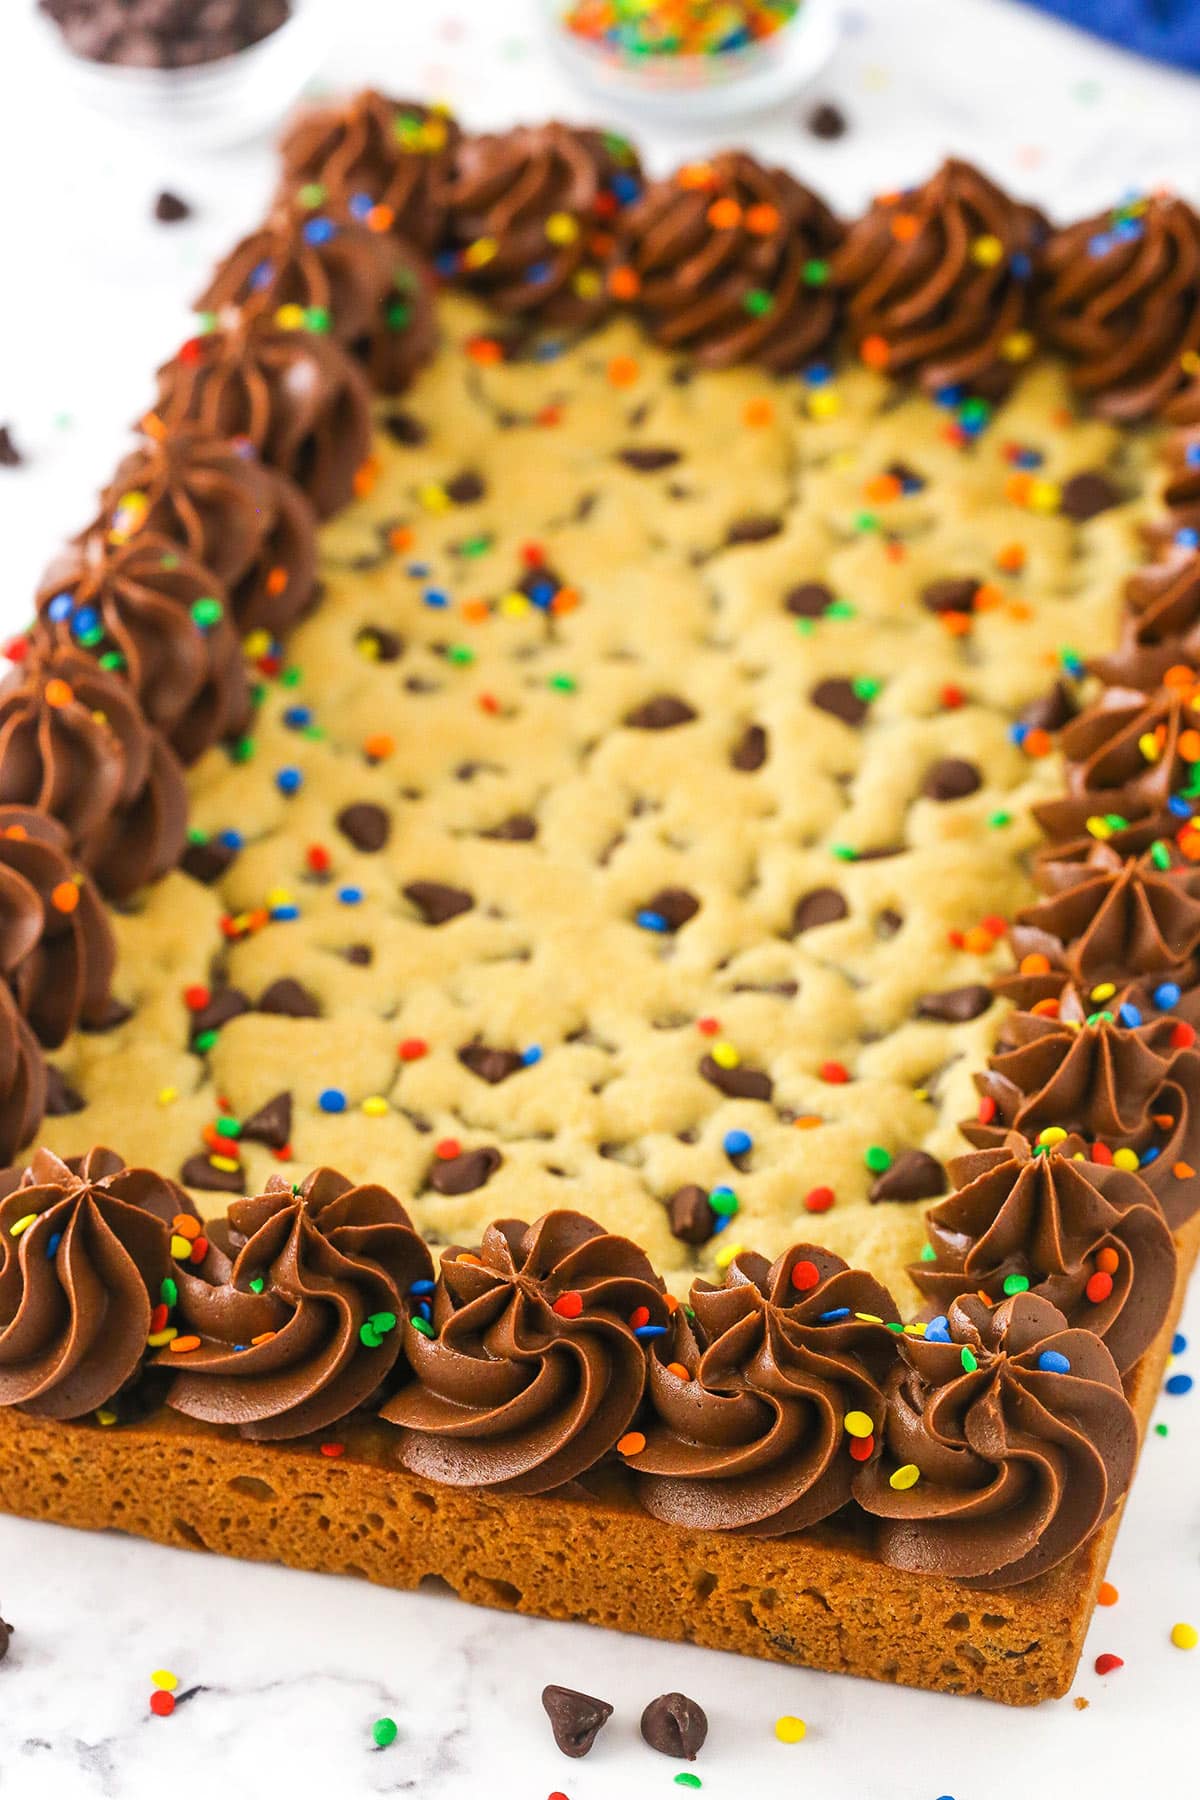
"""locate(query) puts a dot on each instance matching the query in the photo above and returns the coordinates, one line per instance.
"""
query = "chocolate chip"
(956, 1005)
(61, 1097)
(675, 1725)
(207, 862)
(198, 1172)
(518, 828)
(953, 594)
(169, 209)
(466, 488)
(10, 456)
(290, 999)
(490, 1065)
(692, 1219)
(808, 599)
(755, 528)
(646, 460)
(914, 1175)
(952, 779)
(739, 1083)
(675, 906)
(464, 1173)
(405, 428)
(574, 1718)
(271, 1124)
(224, 1003)
(381, 644)
(661, 713)
(888, 922)
(367, 826)
(361, 955)
(820, 906)
(1052, 710)
(113, 1014)
(1085, 495)
(837, 696)
(437, 902)
(826, 120)
(6, 1632)
(750, 751)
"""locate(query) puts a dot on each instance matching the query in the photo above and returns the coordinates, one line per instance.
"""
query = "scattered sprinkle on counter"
(384, 1732)
(790, 1730)
(1185, 1637)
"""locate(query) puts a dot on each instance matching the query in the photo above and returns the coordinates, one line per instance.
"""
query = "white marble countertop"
(292, 1670)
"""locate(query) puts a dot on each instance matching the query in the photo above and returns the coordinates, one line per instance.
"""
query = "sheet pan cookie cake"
(603, 819)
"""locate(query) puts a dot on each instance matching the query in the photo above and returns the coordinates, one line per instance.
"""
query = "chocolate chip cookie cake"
(603, 818)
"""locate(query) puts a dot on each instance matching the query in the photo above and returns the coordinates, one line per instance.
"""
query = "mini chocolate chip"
(692, 1219)
(879, 852)
(825, 120)
(575, 1718)
(739, 1083)
(169, 208)
(914, 1175)
(405, 428)
(383, 645)
(61, 1097)
(271, 1124)
(888, 922)
(820, 906)
(6, 1632)
(361, 955)
(956, 1005)
(437, 902)
(646, 460)
(224, 1003)
(837, 696)
(953, 593)
(808, 599)
(1052, 710)
(1085, 495)
(755, 528)
(198, 1172)
(490, 1065)
(289, 998)
(661, 713)
(10, 456)
(952, 779)
(367, 826)
(466, 488)
(675, 1725)
(208, 861)
(674, 905)
(464, 1173)
(518, 828)
(750, 751)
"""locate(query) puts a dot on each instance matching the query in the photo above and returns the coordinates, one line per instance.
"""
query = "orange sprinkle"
(378, 746)
(905, 227)
(875, 351)
(1011, 558)
(1017, 487)
(401, 537)
(365, 477)
(632, 1444)
(16, 831)
(181, 1345)
(1164, 1121)
(153, 426)
(276, 582)
(565, 601)
(1046, 1009)
(1189, 746)
(185, 1226)
(807, 1122)
(264, 1337)
(1037, 742)
(677, 1369)
(671, 1303)
(58, 692)
(762, 219)
(476, 611)
(1036, 963)
(64, 897)
(1107, 1594)
(1179, 675)
(485, 350)
(695, 175)
(987, 596)
(978, 940)
(883, 487)
(955, 624)
(1108, 1261)
(622, 371)
(623, 282)
(1182, 1171)
(724, 214)
(469, 1256)
(380, 217)
(758, 413)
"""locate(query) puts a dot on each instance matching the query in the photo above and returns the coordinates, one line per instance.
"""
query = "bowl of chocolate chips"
(197, 73)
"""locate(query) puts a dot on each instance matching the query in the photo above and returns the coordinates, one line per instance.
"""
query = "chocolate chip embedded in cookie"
(437, 902)
(455, 1171)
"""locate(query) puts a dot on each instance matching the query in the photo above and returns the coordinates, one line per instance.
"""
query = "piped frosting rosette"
(57, 949)
(380, 157)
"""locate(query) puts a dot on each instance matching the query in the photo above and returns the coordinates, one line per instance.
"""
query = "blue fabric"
(1166, 29)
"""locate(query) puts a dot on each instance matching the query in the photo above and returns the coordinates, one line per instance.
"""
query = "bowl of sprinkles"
(689, 60)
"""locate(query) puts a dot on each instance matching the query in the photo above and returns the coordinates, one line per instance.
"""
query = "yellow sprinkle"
(790, 1730)
(375, 1106)
(724, 1054)
(920, 1093)
(1148, 745)
(824, 403)
(181, 1249)
(916, 1329)
(587, 283)
(514, 605)
(105, 1416)
(434, 498)
(22, 1225)
(859, 1424)
(167, 1096)
(1185, 1637)
(726, 1254)
(226, 1164)
(1053, 1134)
(157, 1339)
(1189, 362)
(987, 251)
(1045, 496)
(1125, 1159)
(906, 1476)
(1104, 990)
(561, 228)
(1017, 346)
(1098, 827)
(278, 896)
(256, 643)
(476, 255)
(290, 318)
(869, 1318)
(164, 1678)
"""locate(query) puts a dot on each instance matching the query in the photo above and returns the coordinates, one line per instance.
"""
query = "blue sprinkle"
(831, 1318)
(331, 1100)
(1018, 733)
(230, 840)
(548, 350)
(446, 262)
(1021, 265)
(1179, 806)
(1129, 1015)
(350, 896)
(531, 1055)
(1179, 1384)
(626, 188)
(652, 921)
(418, 570)
(737, 1142)
(1178, 1344)
(289, 781)
(817, 374)
(360, 205)
(538, 272)
(1187, 537)
(948, 396)
(435, 597)
(1053, 1362)
(86, 620)
(53, 1244)
(283, 915)
(1167, 994)
(239, 1347)
(1127, 231)
(938, 1330)
(542, 593)
(319, 230)
(425, 1286)
(262, 277)
(1029, 459)
(1191, 456)
(297, 717)
(722, 1222)
(60, 608)
(1149, 1155)
(1100, 245)
(423, 1310)
(645, 1332)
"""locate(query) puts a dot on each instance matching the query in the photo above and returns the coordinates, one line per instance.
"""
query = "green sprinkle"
(840, 609)
(399, 315)
(757, 302)
(291, 678)
(88, 638)
(1160, 856)
(805, 627)
(928, 1253)
(312, 194)
(228, 1128)
(816, 272)
(369, 1337)
(111, 659)
(975, 412)
(878, 1159)
(385, 1732)
(422, 1325)
(1016, 1284)
(476, 546)
(970, 1361)
(168, 1293)
(257, 1284)
(319, 319)
(461, 655)
(686, 1780)
(382, 1322)
(724, 1202)
(998, 820)
(563, 684)
(204, 1041)
(170, 560)
(866, 521)
(258, 694)
(243, 750)
(866, 687)
(845, 852)
(1160, 1431)
(206, 322)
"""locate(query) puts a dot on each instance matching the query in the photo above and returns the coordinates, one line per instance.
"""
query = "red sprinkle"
(199, 1249)
(1100, 1153)
(1099, 1287)
(1106, 1663)
(446, 1149)
(1183, 1036)
(952, 697)
(569, 1305)
(162, 1703)
(638, 1317)
(861, 1448)
(987, 1110)
(318, 859)
(332, 1449)
(835, 1072)
(709, 1026)
(819, 1199)
(805, 1275)
(196, 997)
(413, 1049)
(158, 1318)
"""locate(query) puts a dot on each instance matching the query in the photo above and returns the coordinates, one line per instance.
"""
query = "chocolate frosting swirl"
(373, 293)
(1088, 1237)
(374, 149)
(300, 1326)
(1120, 1088)
(1121, 301)
(1127, 756)
(297, 397)
(57, 949)
(75, 744)
(533, 1370)
(528, 218)
(213, 498)
(22, 1079)
(1020, 1459)
(730, 260)
(939, 281)
(748, 1405)
(1161, 628)
(165, 616)
(79, 1281)
(1110, 919)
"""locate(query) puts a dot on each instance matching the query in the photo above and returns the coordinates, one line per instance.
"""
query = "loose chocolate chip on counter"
(826, 120)
(6, 1632)
(10, 456)
(662, 713)
(739, 1083)
(808, 600)
(379, 643)
(674, 906)
(490, 1065)
(1089, 493)
(61, 1097)
(271, 1124)
(575, 1719)
(1052, 710)
(953, 594)
(914, 1175)
(224, 1003)
(405, 428)
(647, 460)
(289, 998)
(750, 751)
(463, 1173)
(692, 1219)
(820, 906)
(952, 779)
(675, 1725)
(837, 696)
(170, 209)
(465, 488)
(436, 901)
(206, 862)
(198, 1172)
(367, 826)
(518, 828)
(755, 528)
(956, 1005)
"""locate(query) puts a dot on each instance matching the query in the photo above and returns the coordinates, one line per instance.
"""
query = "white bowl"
(210, 105)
